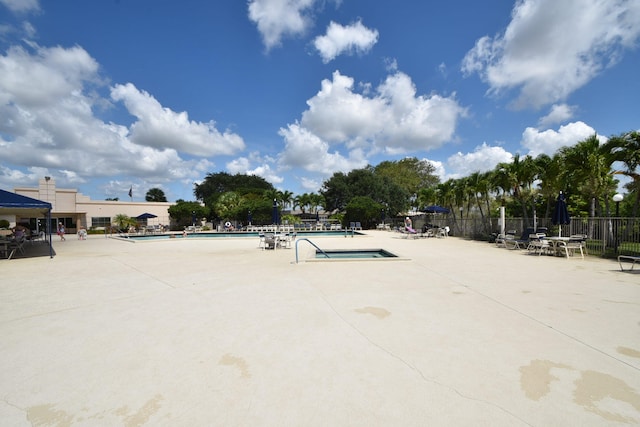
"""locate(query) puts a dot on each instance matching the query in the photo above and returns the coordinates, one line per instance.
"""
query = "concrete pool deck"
(216, 332)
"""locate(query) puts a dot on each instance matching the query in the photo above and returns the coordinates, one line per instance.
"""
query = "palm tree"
(287, 198)
(479, 189)
(302, 201)
(549, 174)
(625, 148)
(315, 201)
(155, 195)
(124, 221)
(588, 164)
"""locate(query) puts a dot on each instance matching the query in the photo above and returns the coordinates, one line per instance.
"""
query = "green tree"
(409, 173)
(229, 205)
(182, 212)
(315, 201)
(364, 210)
(287, 199)
(303, 201)
(216, 184)
(340, 189)
(587, 167)
(625, 148)
(123, 222)
(155, 195)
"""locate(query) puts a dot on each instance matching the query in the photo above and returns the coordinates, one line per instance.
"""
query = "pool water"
(355, 254)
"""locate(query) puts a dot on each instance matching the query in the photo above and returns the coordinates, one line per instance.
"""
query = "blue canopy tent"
(23, 206)
(435, 209)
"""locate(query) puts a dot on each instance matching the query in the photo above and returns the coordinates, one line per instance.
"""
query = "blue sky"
(113, 94)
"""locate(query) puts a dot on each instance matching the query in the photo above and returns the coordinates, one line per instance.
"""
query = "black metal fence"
(605, 236)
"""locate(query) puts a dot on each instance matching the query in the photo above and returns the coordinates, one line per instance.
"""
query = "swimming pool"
(234, 235)
(355, 255)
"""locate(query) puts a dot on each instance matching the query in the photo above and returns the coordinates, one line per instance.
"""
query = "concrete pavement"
(216, 332)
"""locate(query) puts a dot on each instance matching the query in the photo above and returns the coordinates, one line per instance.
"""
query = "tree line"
(586, 173)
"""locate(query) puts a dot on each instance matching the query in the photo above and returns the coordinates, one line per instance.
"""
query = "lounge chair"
(409, 232)
(538, 243)
(510, 242)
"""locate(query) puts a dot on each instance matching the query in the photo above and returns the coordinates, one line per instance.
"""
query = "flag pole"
(131, 193)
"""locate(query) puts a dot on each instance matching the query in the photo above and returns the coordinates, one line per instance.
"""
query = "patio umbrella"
(146, 215)
(560, 213)
(274, 213)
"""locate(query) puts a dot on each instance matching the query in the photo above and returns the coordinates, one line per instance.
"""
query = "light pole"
(617, 198)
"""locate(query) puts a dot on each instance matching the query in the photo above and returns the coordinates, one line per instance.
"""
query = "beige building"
(76, 210)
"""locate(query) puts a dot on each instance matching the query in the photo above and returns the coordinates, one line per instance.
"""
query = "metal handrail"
(314, 245)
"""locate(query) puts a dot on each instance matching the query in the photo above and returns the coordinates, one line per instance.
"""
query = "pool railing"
(313, 244)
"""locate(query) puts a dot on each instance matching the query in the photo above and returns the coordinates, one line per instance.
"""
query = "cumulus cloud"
(549, 141)
(342, 128)
(162, 128)
(48, 127)
(264, 169)
(338, 40)
(21, 6)
(393, 119)
(559, 113)
(552, 48)
(305, 150)
(276, 19)
(483, 158)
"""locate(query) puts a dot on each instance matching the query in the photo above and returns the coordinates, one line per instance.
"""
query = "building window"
(100, 221)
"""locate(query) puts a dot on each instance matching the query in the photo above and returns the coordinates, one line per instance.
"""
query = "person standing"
(61, 232)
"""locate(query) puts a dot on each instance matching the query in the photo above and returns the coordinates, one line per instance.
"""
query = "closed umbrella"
(560, 213)
(274, 213)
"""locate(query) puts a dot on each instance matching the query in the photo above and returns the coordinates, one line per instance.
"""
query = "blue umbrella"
(436, 209)
(146, 215)
(560, 213)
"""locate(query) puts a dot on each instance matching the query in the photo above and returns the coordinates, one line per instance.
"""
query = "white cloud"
(549, 141)
(439, 169)
(162, 128)
(310, 184)
(559, 113)
(551, 48)
(340, 39)
(305, 150)
(243, 165)
(395, 119)
(276, 19)
(21, 6)
(483, 158)
(342, 128)
(47, 125)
